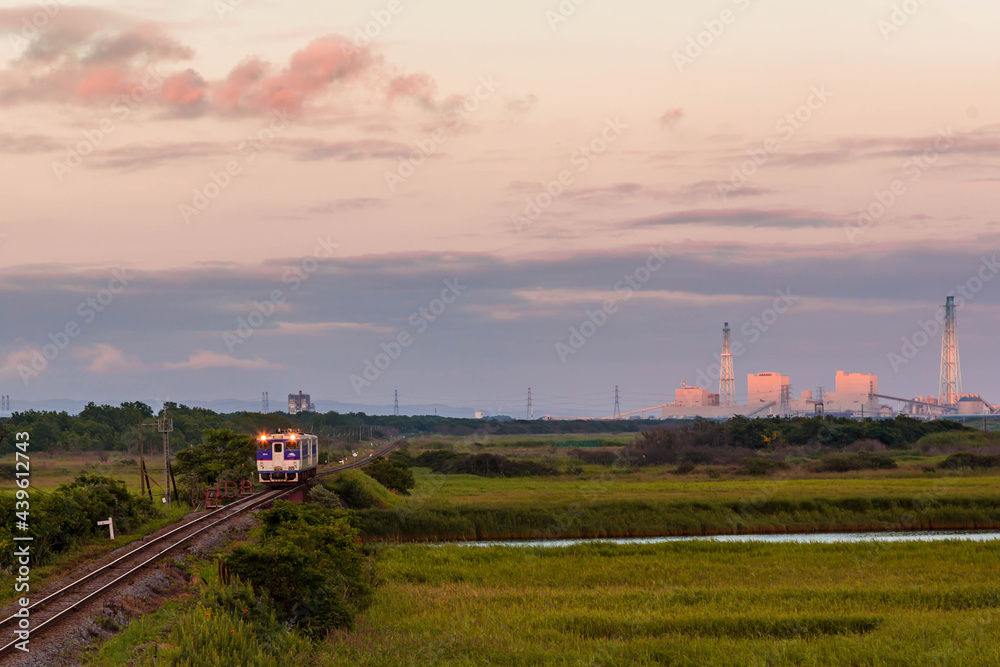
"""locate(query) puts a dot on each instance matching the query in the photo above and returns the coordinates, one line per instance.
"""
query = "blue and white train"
(286, 457)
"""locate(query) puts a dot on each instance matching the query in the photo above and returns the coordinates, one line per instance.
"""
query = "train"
(286, 457)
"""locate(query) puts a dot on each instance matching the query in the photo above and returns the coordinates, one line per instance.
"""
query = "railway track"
(57, 605)
(46, 612)
(362, 462)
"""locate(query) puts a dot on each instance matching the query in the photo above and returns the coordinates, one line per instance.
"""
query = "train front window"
(277, 448)
(293, 444)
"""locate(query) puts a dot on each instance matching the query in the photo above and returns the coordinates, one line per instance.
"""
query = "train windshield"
(293, 444)
(277, 447)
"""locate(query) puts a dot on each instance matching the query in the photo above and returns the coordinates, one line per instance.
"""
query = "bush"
(68, 515)
(324, 497)
(483, 465)
(967, 460)
(604, 457)
(392, 474)
(759, 467)
(685, 468)
(859, 461)
(310, 564)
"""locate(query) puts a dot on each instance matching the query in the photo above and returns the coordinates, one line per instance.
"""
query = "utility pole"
(142, 464)
(618, 408)
(531, 412)
(165, 427)
(395, 407)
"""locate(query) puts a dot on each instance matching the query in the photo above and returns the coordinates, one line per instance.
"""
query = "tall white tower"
(951, 370)
(727, 379)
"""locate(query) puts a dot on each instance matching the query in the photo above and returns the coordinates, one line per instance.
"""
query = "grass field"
(681, 604)
(599, 482)
(50, 470)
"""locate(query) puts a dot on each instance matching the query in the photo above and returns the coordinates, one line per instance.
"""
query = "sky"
(208, 200)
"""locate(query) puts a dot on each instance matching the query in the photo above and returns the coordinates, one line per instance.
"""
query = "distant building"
(692, 397)
(764, 388)
(854, 394)
(921, 410)
(971, 404)
(300, 403)
(478, 414)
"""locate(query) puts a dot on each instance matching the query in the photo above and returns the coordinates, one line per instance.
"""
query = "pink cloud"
(96, 60)
(205, 359)
(419, 86)
(184, 89)
(671, 117)
(106, 359)
(9, 366)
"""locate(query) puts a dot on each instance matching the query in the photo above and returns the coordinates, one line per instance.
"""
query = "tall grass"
(681, 604)
(658, 517)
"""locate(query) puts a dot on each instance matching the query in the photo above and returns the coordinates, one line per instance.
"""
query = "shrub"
(392, 474)
(859, 461)
(604, 457)
(310, 564)
(760, 467)
(483, 465)
(685, 468)
(324, 497)
(69, 514)
(967, 460)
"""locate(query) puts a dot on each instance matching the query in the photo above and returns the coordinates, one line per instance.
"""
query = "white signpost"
(110, 523)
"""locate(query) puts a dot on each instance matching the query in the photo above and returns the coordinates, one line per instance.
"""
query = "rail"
(229, 511)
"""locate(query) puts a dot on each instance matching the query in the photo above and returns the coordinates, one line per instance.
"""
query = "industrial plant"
(855, 395)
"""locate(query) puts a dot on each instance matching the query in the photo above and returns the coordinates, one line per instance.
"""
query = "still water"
(805, 538)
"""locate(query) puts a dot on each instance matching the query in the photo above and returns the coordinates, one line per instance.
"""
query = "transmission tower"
(531, 411)
(951, 370)
(618, 408)
(727, 379)
(264, 407)
(395, 407)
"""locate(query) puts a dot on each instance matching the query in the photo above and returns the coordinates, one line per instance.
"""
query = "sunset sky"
(186, 164)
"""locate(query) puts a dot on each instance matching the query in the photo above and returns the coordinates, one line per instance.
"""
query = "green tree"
(222, 455)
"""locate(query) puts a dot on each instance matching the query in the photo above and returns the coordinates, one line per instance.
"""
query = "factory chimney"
(951, 370)
(727, 379)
